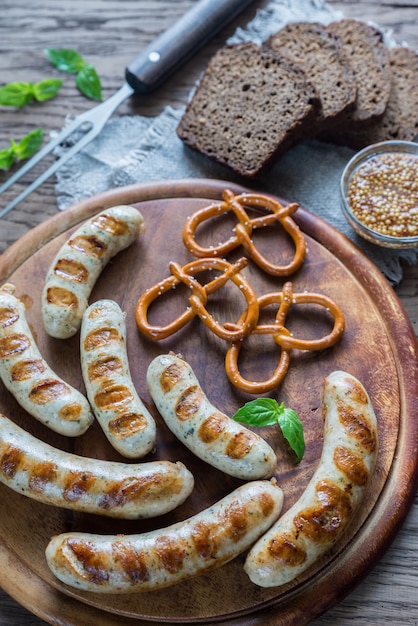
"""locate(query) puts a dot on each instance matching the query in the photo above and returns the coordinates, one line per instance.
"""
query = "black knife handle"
(173, 47)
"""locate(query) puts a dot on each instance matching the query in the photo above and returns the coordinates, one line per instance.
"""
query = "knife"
(145, 73)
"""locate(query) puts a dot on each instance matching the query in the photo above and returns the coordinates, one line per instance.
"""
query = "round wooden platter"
(378, 347)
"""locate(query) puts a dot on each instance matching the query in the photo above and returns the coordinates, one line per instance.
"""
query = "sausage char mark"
(91, 561)
(70, 269)
(112, 396)
(101, 338)
(171, 376)
(240, 444)
(89, 245)
(170, 553)
(357, 425)
(266, 503)
(189, 403)
(77, 484)
(62, 298)
(8, 316)
(47, 390)
(321, 522)
(127, 424)
(284, 549)
(352, 465)
(99, 311)
(235, 521)
(356, 390)
(104, 367)
(142, 488)
(10, 461)
(41, 474)
(71, 412)
(132, 562)
(111, 225)
(205, 537)
(13, 344)
(26, 369)
(231, 525)
(213, 427)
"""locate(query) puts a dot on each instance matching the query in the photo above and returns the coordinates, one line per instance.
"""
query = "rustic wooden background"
(110, 33)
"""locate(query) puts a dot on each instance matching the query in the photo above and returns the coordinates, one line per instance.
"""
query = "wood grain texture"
(110, 34)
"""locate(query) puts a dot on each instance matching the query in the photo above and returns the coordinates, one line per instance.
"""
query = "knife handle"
(173, 47)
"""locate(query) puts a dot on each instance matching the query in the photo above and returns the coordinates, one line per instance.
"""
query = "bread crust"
(369, 58)
(400, 119)
(250, 105)
(315, 48)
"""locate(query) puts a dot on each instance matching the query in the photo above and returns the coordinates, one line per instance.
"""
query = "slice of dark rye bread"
(369, 58)
(321, 55)
(400, 119)
(250, 105)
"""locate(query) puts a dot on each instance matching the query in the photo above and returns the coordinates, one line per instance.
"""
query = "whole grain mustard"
(383, 194)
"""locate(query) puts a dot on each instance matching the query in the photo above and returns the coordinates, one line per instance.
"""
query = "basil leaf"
(20, 94)
(70, 61)
(16, 94)
(6, 158)
(292, 430)
(28, 145)
(260, 412)
(88, 83)
(22, 149)
(65, 60)
(46, 89)
(266, 412)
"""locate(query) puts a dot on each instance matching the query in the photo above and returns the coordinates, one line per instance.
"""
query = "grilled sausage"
(131, 491)
(208, 433)
(77, 266)
(163, 557)
(30, 379)
(315, 522)
(126, 422)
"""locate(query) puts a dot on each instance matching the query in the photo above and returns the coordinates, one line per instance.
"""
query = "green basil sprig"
(267, 412)
(23, 149)
(19, 94)
(71, 62)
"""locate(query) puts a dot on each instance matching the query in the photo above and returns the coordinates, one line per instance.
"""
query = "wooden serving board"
(378, 347)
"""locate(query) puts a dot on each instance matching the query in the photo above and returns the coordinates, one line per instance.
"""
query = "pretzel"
(282, 337)
(198, 299)
(231, 359)
(244, 228)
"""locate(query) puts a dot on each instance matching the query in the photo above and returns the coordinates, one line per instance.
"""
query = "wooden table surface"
(109, 34)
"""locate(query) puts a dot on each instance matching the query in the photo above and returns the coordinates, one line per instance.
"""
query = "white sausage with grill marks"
(37, 470)
(78, 264)
(208, 433)
(28, 377)
(314, 523)
(125, 420)
(163, 557)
